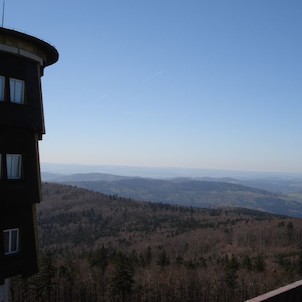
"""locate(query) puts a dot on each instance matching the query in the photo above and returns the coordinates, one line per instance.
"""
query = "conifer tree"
(122, 279)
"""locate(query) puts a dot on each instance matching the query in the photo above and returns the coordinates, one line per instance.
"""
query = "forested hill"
(194, 193)
(71, 215)
(96, 247)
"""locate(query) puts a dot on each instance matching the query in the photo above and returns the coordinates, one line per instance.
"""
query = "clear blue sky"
(210, 84)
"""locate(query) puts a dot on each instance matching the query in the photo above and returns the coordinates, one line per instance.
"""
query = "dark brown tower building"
(22, 62)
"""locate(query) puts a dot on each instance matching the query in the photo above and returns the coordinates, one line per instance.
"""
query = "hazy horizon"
(160, 172)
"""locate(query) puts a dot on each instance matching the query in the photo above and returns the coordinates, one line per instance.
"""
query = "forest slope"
(194, 193)
(103, 248)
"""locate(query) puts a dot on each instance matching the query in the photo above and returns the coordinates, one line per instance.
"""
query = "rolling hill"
(188, 192)
(97, 247)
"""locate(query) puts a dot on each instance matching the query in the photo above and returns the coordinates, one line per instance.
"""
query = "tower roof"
(28, 46)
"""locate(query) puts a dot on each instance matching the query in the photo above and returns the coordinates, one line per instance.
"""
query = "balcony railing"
(289, 293)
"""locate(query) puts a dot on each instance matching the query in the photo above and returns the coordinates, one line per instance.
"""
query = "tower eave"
(25, 45)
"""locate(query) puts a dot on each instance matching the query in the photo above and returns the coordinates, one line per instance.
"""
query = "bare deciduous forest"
(105, 248)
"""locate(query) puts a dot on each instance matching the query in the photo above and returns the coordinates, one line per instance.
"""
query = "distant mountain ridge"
(188, 192)
(272, 184)
(81, 177)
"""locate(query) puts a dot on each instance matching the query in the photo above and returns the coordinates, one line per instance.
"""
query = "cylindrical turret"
(22, 60)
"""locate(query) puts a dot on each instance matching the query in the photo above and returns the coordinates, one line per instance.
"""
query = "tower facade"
(22, 62)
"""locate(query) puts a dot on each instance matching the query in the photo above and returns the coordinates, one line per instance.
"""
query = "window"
(11, 241)
(13, 166)
(2, 82)
(16, 91)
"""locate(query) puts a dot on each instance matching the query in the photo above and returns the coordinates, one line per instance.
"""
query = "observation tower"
(22, 62)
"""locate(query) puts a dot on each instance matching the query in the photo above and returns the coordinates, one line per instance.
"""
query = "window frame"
(10, 175)
(8, 250)
(14, 91)
(2, 88)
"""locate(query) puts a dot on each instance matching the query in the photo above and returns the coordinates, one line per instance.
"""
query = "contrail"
(155, 75)
(103, 97)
